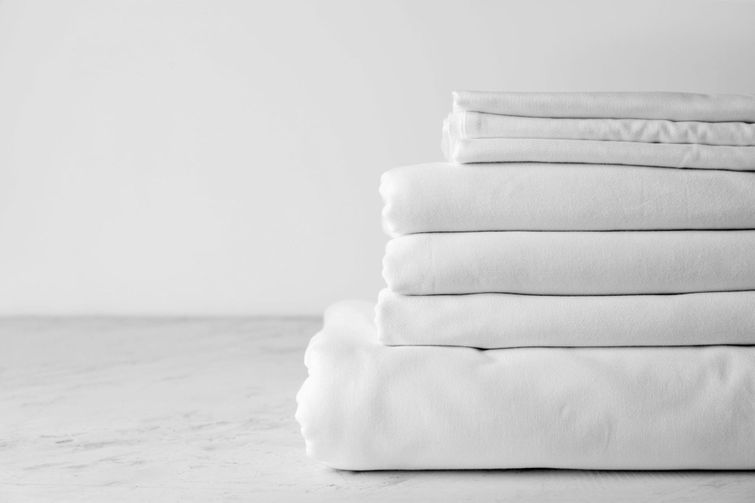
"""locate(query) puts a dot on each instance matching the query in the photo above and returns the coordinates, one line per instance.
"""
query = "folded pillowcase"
(499, 320)
(668, 155)
(571, 263)
(366, 406)
(469, 125)
(658, 105)
(441, 197)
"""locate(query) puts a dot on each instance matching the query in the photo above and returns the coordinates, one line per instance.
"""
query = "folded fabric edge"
(347, 314)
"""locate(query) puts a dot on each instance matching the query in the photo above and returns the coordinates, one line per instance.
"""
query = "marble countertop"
(203, 410)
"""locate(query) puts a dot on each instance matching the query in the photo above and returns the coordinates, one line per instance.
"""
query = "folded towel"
(668, 155)
(366, 406)
(461, 125)
(571, 263)
(661, 105)
(500, 320)
(442, 197)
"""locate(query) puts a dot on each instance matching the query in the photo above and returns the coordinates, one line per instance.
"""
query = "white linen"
(481, 125)
(667, 155)
(499, 320)
(366, 406)
(632, 105)
(571, 263)
(441, 197)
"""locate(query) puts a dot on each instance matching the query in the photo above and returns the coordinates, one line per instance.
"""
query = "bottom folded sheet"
(366, 406)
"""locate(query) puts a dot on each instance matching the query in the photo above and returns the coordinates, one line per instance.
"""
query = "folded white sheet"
(500, 320)
(571, 263)
(658, 105)
(667, 155)
(481, 125)
(366, 406)
(441, 197)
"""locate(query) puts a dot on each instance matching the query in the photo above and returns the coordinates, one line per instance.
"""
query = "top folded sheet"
(656, 105)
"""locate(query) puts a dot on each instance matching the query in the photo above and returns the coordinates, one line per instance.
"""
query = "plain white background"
(223, 157)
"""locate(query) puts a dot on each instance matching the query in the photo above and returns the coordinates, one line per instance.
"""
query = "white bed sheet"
(622, 105)
(666, 155)
(366, 406)
(500, 320)
(571, 263)
(481, 125)
(441, 197)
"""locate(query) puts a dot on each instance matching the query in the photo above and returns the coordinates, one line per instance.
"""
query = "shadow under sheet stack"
(574, 289)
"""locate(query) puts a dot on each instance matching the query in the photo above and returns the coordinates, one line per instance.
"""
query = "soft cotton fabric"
(571, 263)
(440, 197)
(500, 320)
(668, 155)
(366, 406)
(461, 125)
(632, 105)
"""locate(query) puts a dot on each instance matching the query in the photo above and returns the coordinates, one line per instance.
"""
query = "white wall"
(213, 157)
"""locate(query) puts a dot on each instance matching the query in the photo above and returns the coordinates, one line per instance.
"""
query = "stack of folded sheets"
(560, 294)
